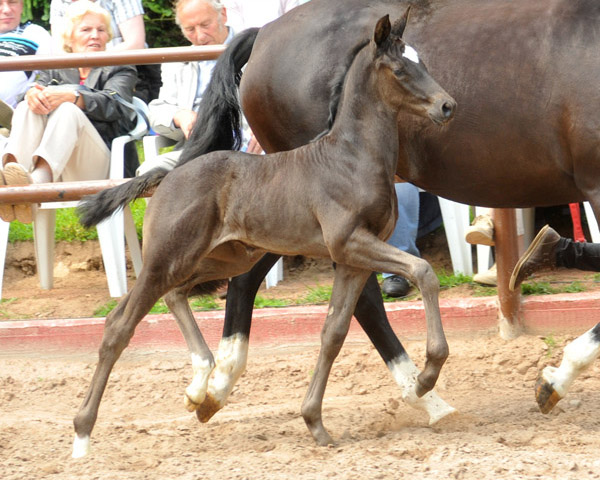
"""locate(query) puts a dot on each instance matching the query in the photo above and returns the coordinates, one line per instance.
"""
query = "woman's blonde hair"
(73, 16)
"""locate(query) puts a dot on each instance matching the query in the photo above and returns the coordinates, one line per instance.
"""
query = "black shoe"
(395, 286)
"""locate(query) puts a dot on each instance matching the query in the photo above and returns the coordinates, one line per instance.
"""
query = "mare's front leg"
(233, 348)
(347, 285)
(372, 317)
(553, 383)
(118, 329)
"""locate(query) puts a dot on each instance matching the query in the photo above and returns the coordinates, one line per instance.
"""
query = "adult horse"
(525, 133)
(222, 227)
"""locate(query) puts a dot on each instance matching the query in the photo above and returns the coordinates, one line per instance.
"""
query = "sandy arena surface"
(144, 432)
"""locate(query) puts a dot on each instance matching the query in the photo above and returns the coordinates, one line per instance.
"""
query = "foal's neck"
(363, 118)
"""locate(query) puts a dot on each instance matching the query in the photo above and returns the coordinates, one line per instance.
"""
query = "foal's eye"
(399, 72)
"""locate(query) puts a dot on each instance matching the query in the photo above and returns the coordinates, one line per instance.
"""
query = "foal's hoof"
(208, 408)
(545, 394)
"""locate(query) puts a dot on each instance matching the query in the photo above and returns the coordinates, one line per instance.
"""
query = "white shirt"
(26, 39)
(242, 14)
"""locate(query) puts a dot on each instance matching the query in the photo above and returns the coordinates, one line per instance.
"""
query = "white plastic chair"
(152, 145)
(111, 232)
(456, 220)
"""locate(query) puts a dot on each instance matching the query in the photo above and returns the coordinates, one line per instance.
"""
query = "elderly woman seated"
(63, 129)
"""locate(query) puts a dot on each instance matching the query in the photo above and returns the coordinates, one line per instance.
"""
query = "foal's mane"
(337, 84)
(338, 80)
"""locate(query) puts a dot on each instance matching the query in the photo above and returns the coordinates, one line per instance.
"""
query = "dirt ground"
(144, 432)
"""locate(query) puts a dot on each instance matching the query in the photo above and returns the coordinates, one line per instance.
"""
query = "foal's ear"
(382, 30)
(400, 24)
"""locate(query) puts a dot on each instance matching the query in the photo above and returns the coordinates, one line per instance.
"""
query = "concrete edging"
(572, 313)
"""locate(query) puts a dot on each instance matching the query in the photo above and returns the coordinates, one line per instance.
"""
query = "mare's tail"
(218, 124)
(218, 127)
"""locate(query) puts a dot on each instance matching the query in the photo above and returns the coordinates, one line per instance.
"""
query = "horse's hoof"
(443, 411)
(207, 409)
(190, 406)
(545, 394)
(81, 446)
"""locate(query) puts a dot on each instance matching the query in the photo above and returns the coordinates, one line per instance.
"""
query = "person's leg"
(72, 147)
(26, 134)
(404, 236)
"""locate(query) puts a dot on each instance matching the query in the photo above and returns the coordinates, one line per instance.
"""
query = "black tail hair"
(95, 208)
(218, 127)
(218, 124)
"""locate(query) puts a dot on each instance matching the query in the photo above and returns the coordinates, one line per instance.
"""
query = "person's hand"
(185, 119)
(37, 101)
(254, 146)
(44, 100)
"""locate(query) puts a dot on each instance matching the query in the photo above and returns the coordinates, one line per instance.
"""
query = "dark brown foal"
(332, 198)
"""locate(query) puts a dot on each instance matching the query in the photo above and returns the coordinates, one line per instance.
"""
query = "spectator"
(17, 38)
(173, 113)
(64, 127)
(256, 13)
(127, 23)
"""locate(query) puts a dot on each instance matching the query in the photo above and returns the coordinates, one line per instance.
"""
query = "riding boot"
(540, 255)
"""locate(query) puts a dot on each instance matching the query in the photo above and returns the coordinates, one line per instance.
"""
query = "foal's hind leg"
(118, 330)
(347, 285)
(202, 358)
(233, 348)
(371, 316)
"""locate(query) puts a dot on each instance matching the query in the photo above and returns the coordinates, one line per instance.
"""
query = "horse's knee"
(425, 277)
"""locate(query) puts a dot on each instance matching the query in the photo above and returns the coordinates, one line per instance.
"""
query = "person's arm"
(100, 102)
(133, 33)
(164, 109)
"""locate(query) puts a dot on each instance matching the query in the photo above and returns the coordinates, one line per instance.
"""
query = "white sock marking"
(405, 373)
(577, 357)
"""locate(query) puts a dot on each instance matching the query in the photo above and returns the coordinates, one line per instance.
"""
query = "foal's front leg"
(371, 316)
(347, 285)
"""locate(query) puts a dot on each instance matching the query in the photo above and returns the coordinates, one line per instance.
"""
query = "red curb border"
(572, 313)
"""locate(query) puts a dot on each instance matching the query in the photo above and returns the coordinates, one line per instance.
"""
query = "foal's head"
(403, 79)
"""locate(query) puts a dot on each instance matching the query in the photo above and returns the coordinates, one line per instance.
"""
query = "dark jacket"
(110, 117)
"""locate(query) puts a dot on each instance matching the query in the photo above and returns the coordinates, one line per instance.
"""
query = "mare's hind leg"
(233, 348)
(553, 383)
(371, 316)
(118, 330)
(347, 285)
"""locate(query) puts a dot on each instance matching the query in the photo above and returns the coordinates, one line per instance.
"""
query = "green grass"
(544, 288)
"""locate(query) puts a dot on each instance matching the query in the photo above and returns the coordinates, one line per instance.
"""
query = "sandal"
(16, 174)
(7, 211)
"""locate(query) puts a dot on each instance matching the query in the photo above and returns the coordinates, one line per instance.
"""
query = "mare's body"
(526, 133)
(334, 197)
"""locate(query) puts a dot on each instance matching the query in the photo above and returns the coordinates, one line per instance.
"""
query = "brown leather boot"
(541, 255)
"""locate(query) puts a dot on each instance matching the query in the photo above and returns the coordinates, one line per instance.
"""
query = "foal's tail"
(218, 127)
(95, 208)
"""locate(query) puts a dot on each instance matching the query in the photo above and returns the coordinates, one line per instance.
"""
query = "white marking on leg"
(405, 373)
(81, 446)
(231, 363)
(196, 391)
(577, 357)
